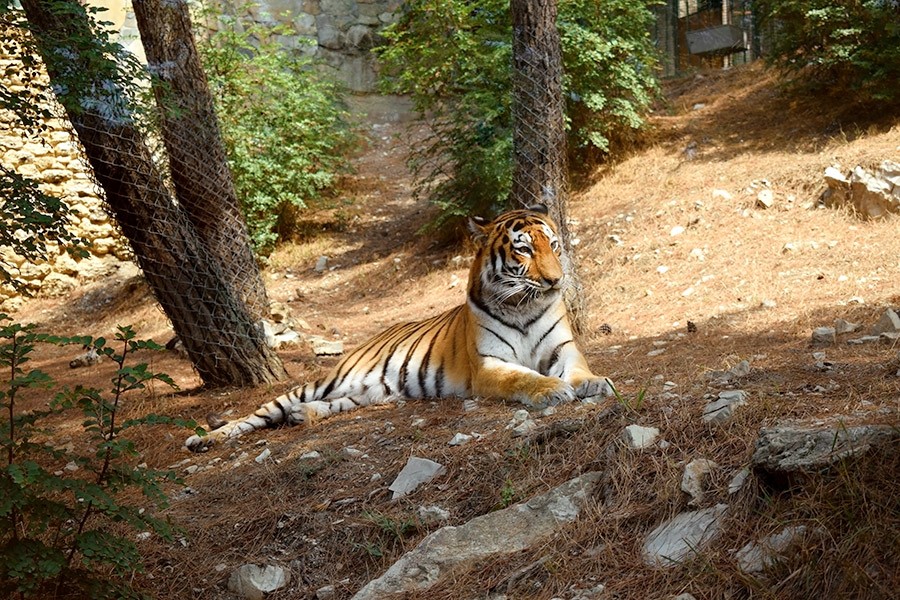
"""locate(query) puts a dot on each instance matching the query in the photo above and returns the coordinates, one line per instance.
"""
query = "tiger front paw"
(594, 387)
(553, 392)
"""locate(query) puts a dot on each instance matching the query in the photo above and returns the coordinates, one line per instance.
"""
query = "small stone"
(323, 347)
(143, 536)
(263, 456)
(656, 352)
(755, 557)
(417, 422)
(841, 326)
(459, 439)
(71, 466)
(888, 323)
(252, 581)
(683, 536)
(768, 303)
(677, 230)
(742, 369)
(662, 269)
(738, 481)
(432, 514)
(192, 469)
(697, 254)
(721, 410)
(325, 593)
(311, 455)
(549, 411)
(866, 339)
(321, 264)
(524, 428)
(695, 473)
(823, 335)
(638, 437)
(416, 472)
(351, 453)
(520, 415)
(722, 194)
(765, 199)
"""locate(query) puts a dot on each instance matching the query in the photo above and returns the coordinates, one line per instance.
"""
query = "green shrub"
(58, 526)
(284, 126)
(454, 57)
(848, 45)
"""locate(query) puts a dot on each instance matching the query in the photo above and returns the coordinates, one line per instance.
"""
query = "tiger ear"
(539, 208)
(478, 229)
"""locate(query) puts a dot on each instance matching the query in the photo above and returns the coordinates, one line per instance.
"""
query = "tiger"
(511, 340)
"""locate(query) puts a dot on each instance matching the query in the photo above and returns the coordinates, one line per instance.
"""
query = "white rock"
(721, 410)
(692, 480)
(325, 593)
(765, 199)
(311, 455)
(683, 536)
(742, 369)
(252, 581)
(662, 269)
(823, 335)
(524, 428)
(841, 326)
(638, 437)
(755, 557)
(416, 472)
(351, 453)
(520, 415)
(677, 230)
(323, 347)
(432, 514)
(888, 323)
(263, 456)
(469, 405)
(321, 264)
(738, 481)
(459, 439)
(697, 254)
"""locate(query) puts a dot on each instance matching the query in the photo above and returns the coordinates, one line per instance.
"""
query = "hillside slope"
(689, 275)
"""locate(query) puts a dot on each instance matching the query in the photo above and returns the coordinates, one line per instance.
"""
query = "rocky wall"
(343, 32)
(53, 158)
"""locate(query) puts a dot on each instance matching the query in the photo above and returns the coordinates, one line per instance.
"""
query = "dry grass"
(332, 522)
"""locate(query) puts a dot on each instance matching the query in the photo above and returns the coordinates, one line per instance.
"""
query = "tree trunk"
(539, 130)
(197, 161)
(225, 344)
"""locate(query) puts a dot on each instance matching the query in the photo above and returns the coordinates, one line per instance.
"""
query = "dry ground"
(731, 273)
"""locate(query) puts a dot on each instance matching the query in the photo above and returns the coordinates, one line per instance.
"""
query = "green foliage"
(284, 125)
(851, 44)
(57, 526)
(454, 58)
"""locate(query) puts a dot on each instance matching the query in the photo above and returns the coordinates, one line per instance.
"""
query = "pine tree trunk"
(222, 339)
(539, 134)
(197, 161)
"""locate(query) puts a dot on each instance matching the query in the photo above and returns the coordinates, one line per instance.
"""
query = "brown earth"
(752, 282)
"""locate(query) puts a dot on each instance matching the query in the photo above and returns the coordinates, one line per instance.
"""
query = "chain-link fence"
(539, 135)
(177, 208)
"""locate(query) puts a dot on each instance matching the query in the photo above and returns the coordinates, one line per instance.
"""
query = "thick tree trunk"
(223, 341)
(197, 160)
(539, 129)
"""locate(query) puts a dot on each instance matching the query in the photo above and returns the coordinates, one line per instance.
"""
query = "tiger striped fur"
(510, 340)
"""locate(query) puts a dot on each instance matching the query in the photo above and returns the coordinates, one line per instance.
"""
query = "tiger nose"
(551, 281)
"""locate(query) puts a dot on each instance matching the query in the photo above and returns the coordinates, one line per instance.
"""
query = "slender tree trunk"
(539, 131)
(197, 160)
(222, 339)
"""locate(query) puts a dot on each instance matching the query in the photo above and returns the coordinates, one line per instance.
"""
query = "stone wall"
(343, 32)
(54, 160)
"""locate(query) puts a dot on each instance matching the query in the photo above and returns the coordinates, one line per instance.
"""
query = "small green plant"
(633, 405)
(507, 494)
(286, 130)
(847, 45)
(63, 525)
(390, 527)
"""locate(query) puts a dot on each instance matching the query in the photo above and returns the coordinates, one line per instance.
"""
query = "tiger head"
(518, 258)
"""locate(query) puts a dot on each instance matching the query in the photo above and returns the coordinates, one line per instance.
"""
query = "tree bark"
(222, 339)
(197, 161)
(540, 167)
